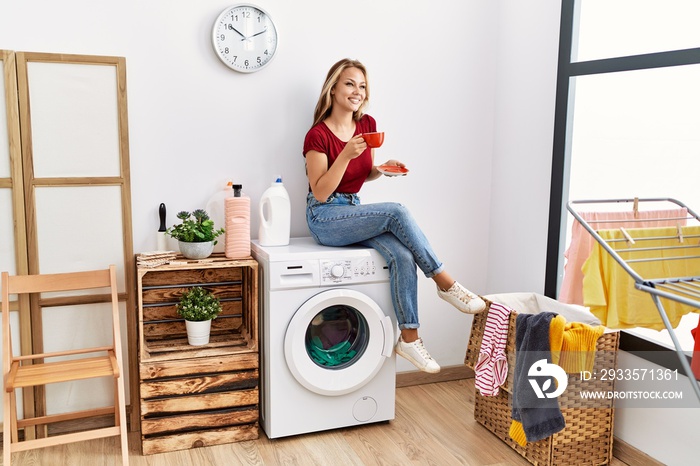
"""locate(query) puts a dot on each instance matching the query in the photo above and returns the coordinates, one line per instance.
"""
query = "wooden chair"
(34, 370)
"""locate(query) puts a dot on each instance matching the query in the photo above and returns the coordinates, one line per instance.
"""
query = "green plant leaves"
(198, 304)
(196, 227)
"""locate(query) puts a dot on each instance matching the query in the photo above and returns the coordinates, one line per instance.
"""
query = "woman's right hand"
(354, 147)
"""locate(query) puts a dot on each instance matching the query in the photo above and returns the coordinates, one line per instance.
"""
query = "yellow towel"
(578, 348)
(517, 433)
(556, 336)
(573, 344)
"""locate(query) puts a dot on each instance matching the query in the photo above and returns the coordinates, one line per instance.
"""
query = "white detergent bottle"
(275, 216)
(217, 212)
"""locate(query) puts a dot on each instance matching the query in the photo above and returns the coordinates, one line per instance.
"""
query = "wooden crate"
(588, 435)
(162, 334)
(194, 396)
(188, 403)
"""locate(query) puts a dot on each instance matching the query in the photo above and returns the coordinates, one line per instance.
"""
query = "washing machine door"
(337, 341)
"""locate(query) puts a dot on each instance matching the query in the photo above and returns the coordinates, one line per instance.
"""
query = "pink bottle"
(237, 212)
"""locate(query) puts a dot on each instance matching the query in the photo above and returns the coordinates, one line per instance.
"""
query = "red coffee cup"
(373, 139)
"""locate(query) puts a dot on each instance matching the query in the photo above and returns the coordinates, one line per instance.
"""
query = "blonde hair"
(325, 101)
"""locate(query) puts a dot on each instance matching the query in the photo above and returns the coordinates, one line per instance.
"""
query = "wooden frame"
(15, 183)
(25, 183)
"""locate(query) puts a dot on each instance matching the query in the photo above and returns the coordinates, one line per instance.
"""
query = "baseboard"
(406, 379)
(632, 456)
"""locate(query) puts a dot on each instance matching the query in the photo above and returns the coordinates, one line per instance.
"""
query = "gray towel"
(540, 417)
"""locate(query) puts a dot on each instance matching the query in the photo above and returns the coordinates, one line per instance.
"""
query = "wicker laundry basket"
(588, 435)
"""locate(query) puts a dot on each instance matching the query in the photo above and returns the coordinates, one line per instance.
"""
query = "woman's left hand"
(395, 163)
(375, 173)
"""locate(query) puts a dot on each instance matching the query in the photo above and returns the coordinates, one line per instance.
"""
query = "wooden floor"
(434, 425)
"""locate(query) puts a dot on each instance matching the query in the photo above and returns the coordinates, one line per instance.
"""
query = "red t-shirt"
(321, 139)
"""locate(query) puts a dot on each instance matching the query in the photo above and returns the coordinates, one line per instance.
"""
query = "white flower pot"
(198, 332)
(196, 250)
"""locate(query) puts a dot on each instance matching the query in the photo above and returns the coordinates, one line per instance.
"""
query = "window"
(628, 114)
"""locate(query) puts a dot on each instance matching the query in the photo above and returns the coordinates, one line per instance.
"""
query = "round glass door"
(336, 337)
(337, 341)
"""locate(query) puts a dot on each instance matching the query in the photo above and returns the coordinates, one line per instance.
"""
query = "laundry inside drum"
(337, 337)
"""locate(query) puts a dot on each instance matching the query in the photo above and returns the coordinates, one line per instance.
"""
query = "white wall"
(194, 123)
(463, 88)
(522, 153)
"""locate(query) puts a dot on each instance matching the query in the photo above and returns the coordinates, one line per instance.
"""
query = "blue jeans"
(387, 227)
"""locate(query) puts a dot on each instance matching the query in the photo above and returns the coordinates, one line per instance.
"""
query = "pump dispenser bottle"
(216, 209)
(237, 224)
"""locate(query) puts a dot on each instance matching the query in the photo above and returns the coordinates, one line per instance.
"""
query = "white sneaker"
(462, 299)
(416, 353)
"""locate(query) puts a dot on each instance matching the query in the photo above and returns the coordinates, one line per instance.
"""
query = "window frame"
(568, 70)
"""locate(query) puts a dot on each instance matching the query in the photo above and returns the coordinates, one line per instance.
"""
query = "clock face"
(245, 38)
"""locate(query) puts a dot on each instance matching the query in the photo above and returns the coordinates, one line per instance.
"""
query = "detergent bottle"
(275, 215)
(216, 210)
(237, 224)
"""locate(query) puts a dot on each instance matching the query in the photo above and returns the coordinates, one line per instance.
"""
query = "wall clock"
(245, 37)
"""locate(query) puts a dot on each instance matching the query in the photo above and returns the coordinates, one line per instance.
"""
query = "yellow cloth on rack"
(582, 242)
(608, 290)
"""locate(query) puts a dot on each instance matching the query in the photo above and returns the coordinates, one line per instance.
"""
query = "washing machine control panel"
(350, 270)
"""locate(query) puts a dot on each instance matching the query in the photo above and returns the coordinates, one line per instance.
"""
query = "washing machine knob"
(337, 271)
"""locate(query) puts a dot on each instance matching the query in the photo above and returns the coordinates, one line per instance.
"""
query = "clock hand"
(237, 32)
(256, 34)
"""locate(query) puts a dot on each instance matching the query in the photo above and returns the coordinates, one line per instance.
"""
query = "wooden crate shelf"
(162, 332)
(194, 396)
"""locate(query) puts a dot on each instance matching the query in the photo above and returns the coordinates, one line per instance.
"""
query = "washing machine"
(328, 332)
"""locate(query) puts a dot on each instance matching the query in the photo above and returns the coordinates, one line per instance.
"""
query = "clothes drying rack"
(685, 290)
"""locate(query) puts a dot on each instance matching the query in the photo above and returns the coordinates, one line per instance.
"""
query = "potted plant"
(198, 307)
(196, 234)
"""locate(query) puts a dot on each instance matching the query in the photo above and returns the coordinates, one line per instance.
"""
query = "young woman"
(338, 162)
